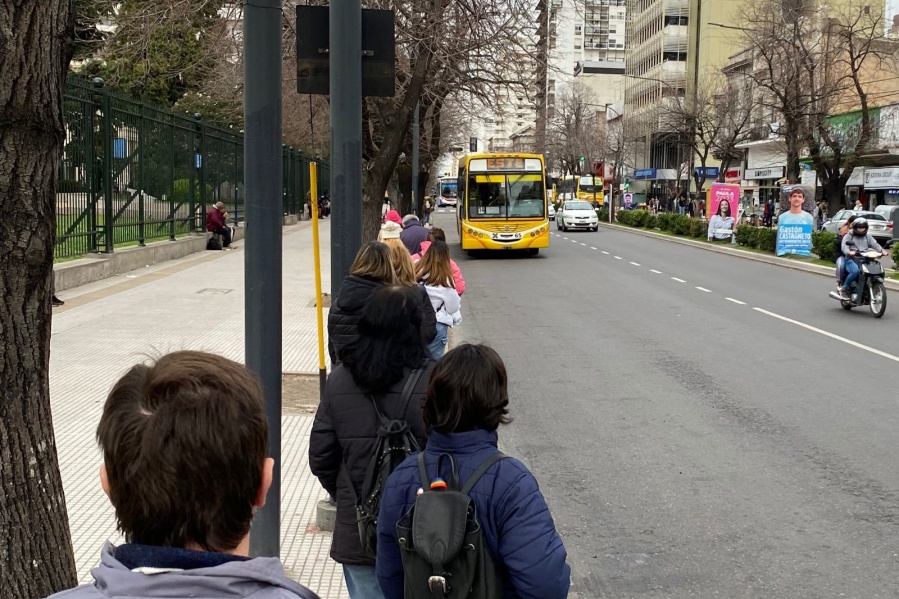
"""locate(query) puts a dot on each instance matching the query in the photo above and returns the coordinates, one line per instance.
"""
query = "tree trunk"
(833, 192)
(36, 557)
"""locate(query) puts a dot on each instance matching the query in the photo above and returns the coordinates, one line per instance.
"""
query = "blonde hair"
(402, 265)
(394, 242)
(373, 262)
(435, 266)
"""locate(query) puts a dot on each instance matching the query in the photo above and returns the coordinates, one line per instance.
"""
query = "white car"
(577, 215)
(551, 211)
(446, 201)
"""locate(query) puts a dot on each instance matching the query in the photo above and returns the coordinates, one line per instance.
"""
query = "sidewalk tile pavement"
(192, 303)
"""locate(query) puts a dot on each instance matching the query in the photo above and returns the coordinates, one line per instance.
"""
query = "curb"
(815, 269)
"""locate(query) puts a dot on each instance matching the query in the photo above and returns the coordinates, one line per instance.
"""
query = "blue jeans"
(851, 267)
(437, 347)
(361, 582)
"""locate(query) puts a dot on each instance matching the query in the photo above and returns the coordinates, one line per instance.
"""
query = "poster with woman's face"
(724, 199)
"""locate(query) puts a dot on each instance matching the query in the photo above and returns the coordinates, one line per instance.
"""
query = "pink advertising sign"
(723, 191)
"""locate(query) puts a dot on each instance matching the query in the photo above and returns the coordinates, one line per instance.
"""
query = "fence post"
(141, 184)
(200, 165)
(91, 171)
(108, 210)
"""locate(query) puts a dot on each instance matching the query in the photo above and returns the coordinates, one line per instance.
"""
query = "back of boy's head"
(184, 441)
(468, 390)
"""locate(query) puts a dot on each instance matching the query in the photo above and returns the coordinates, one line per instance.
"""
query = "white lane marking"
(574, 241)
(592, 248)
(618, 257)
(605, 252)
(678, 280)
(736, 301)
(703, 289)
(584, 244)
(658, 272)
(635, 264)
(856, 344)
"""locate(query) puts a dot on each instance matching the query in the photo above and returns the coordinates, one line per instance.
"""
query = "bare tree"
(576, 129)
(809, 64)
(619, 153)
(711, 121)
(36, 558)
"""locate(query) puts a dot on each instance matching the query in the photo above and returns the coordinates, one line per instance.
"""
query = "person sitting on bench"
(215, 223)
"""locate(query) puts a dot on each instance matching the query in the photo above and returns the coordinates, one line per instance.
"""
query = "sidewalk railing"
(133, 172)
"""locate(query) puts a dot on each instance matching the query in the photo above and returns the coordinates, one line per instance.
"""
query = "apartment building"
(675, 46)
(583, 39)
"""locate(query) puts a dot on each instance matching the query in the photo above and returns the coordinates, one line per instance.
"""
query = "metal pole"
(319, 309)
(346, 137)
(416, 201)
(262, 262)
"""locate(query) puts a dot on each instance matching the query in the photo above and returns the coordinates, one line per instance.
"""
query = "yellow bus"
(580, 187)
(502, 202)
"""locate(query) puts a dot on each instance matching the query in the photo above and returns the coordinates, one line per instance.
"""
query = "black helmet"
(860, 225)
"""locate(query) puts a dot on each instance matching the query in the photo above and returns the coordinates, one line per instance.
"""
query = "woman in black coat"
(345, 431)
(371, 271)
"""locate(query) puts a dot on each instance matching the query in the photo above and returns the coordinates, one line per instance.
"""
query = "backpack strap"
(482, 469)
(452, 483)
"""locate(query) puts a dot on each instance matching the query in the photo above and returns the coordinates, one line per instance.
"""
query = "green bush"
(639, 217)
(682, 224)
(699, 228)
(822, 245)
(666, 221)
(894, 252)
(602, 215)
(766, 239)
(742, 235)
(652, 221)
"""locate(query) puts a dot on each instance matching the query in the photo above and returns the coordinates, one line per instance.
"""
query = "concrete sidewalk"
(193, 303)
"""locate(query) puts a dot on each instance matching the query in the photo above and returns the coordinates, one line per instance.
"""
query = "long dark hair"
(389, 339)
(730, 210)
(435, 266)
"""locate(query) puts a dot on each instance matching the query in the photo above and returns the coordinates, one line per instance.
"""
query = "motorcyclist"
(855, 242)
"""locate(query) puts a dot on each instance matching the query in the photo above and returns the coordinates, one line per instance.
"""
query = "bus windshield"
(507, 195)
(448, 188)
(590, 184)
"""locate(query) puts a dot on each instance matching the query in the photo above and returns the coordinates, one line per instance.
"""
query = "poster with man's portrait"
(795, 223)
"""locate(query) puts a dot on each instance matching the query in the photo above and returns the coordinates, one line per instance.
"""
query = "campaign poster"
(795, 223)
(723, 204)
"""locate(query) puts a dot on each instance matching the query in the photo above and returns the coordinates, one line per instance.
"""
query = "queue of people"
(405, 438)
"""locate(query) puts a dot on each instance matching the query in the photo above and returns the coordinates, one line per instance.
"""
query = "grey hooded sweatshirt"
(259, 578)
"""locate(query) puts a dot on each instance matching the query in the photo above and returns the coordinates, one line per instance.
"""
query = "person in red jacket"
(215, 223)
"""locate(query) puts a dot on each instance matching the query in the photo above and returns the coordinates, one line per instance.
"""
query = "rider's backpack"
(442, 542)
(395, 443)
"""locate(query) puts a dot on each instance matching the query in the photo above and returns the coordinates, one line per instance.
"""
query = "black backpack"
(395, 443)
(442, 543)
(213, 243)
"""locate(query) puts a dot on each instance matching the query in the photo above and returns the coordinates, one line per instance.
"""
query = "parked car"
(577, 215)
(552, 212)
(878, 226)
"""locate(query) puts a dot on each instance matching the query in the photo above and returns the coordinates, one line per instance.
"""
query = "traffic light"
(626, 186)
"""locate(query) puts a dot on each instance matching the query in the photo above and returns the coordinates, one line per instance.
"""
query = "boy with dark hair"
(466, 402)
(184, 444)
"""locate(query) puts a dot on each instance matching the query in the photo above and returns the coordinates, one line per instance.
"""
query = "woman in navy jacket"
(466, 401)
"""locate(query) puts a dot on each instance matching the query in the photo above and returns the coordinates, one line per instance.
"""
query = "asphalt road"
(701, 425)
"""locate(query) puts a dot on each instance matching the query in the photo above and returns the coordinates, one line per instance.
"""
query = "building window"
(577, 46)
(577, 29)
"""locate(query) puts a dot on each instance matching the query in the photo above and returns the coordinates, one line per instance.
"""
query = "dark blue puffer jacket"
(519, 530)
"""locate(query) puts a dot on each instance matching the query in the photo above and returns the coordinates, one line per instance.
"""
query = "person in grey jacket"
(856, 241)
(184, 444)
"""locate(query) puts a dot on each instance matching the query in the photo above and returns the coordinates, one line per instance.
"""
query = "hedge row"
(760, 238)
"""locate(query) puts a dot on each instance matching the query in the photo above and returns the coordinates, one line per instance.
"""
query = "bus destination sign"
(505, 164)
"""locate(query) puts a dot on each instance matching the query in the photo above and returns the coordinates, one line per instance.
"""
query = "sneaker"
(57, 302)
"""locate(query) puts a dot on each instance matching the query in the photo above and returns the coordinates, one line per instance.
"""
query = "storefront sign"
(709, 172)
(771, 172)
(645, 173)
(733, 175)
(881, 178)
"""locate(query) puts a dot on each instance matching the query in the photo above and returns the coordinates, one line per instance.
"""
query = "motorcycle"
(868, 289)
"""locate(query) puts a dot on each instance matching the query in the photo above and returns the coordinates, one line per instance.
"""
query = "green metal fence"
(133, 172)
